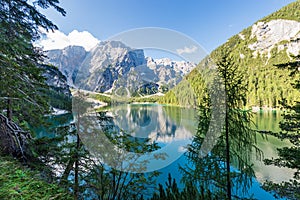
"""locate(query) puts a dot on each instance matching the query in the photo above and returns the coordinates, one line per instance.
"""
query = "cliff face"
(67, 60)
(112, 64)
(280, 34)
(107, 63)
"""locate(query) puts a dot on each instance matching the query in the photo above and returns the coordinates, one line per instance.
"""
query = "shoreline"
(100, 104)
(256, 109)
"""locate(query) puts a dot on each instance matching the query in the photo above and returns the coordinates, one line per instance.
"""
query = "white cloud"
(187, 50)
(58, 40)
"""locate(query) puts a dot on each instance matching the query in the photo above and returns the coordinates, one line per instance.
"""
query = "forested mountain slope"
(256, 50)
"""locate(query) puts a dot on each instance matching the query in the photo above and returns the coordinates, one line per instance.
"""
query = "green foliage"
(164, 88)
(150, 99)
(114, 99)
(58, 97)
(169, 98)
(290, 129)
(22, 85)
(115, 181)
(214, 150)
(289, 12)
(266, 85)
(102, 98)
(19, 182)
(59, 100)
(95, 179)
(147, 89)
(171, 192)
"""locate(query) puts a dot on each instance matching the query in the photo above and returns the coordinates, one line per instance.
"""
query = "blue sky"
(209, 22)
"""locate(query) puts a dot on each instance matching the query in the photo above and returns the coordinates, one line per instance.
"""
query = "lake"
(173, 128)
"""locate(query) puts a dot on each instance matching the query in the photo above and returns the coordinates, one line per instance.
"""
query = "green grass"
(101, 97)
(19, 182)
(152, 99)
(109, 100)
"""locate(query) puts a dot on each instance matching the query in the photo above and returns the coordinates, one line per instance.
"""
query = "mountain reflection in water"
(162, 124)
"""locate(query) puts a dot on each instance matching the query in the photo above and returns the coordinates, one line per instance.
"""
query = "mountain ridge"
(111, 64)
(257, 49)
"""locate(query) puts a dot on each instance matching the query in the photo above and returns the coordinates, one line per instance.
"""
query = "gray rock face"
(112, 64)
(67, 60)
(169, 72)
(106, 63)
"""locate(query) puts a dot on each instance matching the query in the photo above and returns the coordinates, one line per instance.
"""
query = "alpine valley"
(111, 65)
(102, 120)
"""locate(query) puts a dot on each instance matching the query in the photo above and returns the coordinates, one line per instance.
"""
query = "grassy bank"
(19, 182)
(109, 100)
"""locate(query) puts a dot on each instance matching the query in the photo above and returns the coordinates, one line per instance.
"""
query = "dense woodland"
(267, 85)
(29, 165)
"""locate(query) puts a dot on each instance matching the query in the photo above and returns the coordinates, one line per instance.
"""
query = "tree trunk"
(228, 179)
(64, 178)
(76, 186)
(9, 109)
(228, 157)
(13, 140)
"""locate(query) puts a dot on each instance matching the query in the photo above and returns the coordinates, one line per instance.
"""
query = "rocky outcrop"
(106, 63)
(67, 60)
(283, 34)
(169, 72)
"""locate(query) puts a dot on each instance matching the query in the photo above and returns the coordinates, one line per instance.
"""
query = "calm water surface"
(173, 129)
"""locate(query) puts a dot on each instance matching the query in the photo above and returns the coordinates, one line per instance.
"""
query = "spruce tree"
(213, 172)
(290, 129)
(22, 84)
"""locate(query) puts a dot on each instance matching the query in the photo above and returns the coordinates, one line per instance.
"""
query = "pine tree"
(290, 129)
(213, 172)
(22, 84)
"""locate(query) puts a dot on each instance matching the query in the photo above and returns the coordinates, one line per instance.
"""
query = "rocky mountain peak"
(67, 60)
(115, 53)
(111, 63)
(181, 67)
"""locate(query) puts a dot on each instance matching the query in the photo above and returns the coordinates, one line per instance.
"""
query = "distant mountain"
(112, 65)
(67, 60)
(256, 50)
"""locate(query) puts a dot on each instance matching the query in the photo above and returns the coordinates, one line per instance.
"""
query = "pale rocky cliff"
(283, 34)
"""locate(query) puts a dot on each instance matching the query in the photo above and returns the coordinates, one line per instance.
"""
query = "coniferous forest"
(63, 156)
